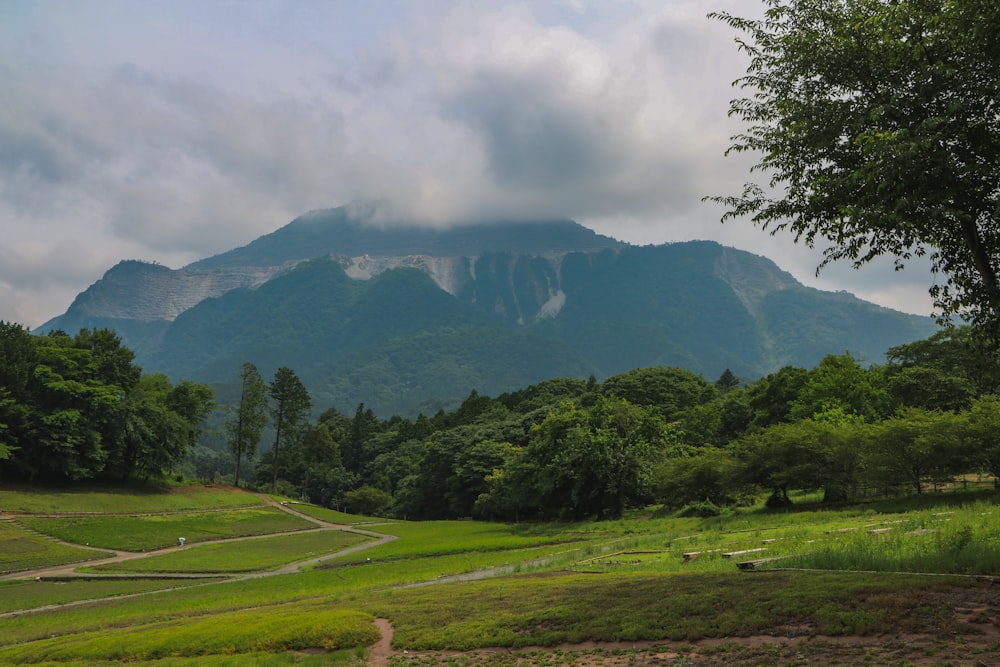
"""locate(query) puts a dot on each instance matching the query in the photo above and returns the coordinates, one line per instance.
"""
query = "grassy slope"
(636, 587)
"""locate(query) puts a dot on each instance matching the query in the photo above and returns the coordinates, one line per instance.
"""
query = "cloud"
(173, 131)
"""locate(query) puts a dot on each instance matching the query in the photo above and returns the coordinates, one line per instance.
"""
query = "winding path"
(69, 571)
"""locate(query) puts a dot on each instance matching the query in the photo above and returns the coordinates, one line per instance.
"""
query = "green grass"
(158, 531)
(333, 516)
(964, 541)
(550, 609)
(251, 555)
(19, 595)
(617, 581)
(437, 538)
(129, 500)
(21, 550)
(271, 629)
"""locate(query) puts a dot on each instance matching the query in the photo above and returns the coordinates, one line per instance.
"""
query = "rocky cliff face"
(150, 292)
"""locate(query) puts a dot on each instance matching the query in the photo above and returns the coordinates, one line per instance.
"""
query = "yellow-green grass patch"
(272, 629)
(21, 550)
(157, 531)
(245, 555)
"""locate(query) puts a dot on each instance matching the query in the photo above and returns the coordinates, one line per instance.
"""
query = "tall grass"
(961, 541)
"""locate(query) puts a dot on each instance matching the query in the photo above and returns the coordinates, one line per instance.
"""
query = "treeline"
(571, 448)
(78, 408)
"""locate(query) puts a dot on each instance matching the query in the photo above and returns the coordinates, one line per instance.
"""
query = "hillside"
(409, 318)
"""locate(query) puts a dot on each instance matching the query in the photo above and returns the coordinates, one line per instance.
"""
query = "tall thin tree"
(251, 416)
(291, 404)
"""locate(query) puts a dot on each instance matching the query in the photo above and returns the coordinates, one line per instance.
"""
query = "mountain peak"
(352, 232)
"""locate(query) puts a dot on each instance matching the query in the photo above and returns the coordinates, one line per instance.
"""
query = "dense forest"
(75, 408)
(78, 408)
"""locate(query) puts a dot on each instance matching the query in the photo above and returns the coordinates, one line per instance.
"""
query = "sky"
(169, 131)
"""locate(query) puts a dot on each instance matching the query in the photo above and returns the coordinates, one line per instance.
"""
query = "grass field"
(158, 531)
(464, 585)
(250, 555)
(22, 550)
(128, 500)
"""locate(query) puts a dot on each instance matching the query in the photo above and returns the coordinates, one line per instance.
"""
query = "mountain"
(411, 318)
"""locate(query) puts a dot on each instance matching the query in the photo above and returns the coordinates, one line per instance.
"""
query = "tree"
(18, 359)
(251, 416)
(770, 399)
(590, 462)
(876, 121)
(291, 404)
(980, 428)
(917, 444)
(839, 382)
(954, 352)
(153, 434)
(668, 388)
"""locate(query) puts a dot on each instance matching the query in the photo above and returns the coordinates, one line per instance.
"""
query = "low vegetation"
(157, 531)
(247, 555)
(23, 550)
(468, 585)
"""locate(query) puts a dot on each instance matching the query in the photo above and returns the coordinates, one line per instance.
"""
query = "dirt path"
(70, 569)
(978, 648)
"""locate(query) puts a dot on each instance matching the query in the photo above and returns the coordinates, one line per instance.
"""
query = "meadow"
(645, 580)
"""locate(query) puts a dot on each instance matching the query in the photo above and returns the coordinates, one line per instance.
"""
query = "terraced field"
(261, 581)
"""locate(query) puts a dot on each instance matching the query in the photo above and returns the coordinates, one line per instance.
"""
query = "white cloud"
(171, 131)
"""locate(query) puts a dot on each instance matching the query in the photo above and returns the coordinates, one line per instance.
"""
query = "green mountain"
(409, 318)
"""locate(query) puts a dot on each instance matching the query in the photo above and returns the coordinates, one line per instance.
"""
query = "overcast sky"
(170, 131)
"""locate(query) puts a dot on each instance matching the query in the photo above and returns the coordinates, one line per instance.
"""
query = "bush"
(703, 509)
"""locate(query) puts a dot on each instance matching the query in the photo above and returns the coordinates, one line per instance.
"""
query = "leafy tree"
(364, 424)
(245, 428)
(18, 358)
(71, 408)
(770, 399)
(75, 408)
(367, 500)
(817, 453)
(980, 428)
(839, 382)
(929, 388)
(916, 445)
(956, 356)
(670, 389)
(707, 475)
(876, 123)
(290, 407)
(590, 462)
(154, 435)
(321, 470)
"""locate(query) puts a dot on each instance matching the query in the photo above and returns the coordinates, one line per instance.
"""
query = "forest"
(78, 408)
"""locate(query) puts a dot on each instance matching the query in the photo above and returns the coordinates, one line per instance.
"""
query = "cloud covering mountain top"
(172, 131)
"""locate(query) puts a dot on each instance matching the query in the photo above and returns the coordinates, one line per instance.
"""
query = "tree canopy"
(878, 127)
(78, 408)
